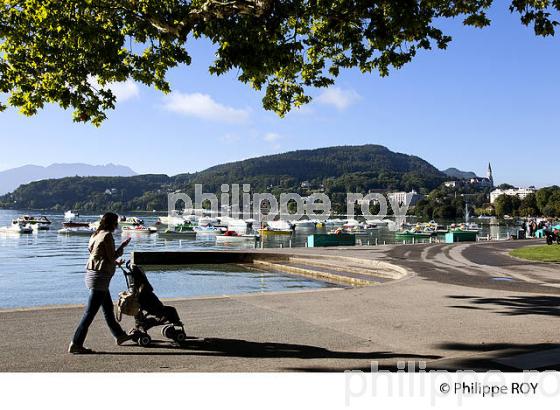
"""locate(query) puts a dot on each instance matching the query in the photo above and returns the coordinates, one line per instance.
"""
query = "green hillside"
(336, 170)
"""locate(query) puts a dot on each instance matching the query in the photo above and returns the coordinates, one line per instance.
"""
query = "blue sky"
(491, 96)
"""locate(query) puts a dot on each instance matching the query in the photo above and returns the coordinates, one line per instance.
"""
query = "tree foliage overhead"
(66, 52)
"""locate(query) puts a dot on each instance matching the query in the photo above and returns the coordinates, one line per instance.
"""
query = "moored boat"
(139, 229)
(465, 227)
(130, 221)
(277, 228)
(69, 215)
(33, 220)
(232, 236)
(76, 224)
(17, 228)
(71, 220)
(208, 230)
(40, 227)
(183, 230)
(304, 225)
(80, 230)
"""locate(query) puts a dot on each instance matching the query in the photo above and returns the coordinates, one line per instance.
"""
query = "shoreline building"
(521, 193)
(403, 197)
(478, 182)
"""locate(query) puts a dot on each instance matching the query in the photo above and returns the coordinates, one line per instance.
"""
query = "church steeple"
(489, 174)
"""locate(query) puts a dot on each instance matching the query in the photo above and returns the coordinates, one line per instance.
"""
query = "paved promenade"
(464, 306)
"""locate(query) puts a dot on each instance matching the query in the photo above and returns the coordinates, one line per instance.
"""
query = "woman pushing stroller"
(100, 269)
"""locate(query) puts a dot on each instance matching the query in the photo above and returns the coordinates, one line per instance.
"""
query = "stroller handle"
(127, 273)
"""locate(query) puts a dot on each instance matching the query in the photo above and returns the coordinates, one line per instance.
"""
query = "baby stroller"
(141, 302)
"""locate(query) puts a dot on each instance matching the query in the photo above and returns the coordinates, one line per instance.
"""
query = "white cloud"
(271, 137)
(127, 90)
(203, 106)
(338, 97)
(123, 91)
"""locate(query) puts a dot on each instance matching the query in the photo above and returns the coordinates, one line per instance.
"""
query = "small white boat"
(277, 228)
(81, 230)
(368, 226)
(17, 228)
(139, 229)
(378, 222)
(69, 215)
(40, 227)
(183, 230)
(208, 221)
(233, 224)
(33, 220)
(232, 236)
(72, 220)
(304, 225)
(333, 222)
(171, 220)
(130, 221)
(208, 230)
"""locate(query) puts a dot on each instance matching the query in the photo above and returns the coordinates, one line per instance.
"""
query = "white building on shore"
(521, 193)
(404, 197)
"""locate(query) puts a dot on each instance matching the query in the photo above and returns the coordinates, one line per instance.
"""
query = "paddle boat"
(183, 230)
(233, 236)
(277, 228)
(465, 227)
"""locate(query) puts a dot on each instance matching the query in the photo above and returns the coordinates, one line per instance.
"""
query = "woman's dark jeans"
(97, 299)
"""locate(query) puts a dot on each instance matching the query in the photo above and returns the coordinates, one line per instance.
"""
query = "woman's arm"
(110, 253)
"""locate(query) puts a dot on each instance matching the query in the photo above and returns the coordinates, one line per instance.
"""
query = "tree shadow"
(486, 356)
(249, 349)
(514, 305)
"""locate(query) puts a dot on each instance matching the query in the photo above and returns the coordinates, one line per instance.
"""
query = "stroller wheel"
(168, 331)
(144, 340)
(180, 337)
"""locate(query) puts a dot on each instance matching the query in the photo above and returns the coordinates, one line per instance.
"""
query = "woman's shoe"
(123, 338)
(74, 349)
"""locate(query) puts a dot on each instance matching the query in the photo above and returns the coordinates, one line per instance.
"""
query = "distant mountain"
(456, 173)
(12, 178)
(333, 170)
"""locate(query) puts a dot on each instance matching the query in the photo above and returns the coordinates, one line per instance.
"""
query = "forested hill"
(335, 170)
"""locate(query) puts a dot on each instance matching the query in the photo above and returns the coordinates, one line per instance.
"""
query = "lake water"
(45, 268)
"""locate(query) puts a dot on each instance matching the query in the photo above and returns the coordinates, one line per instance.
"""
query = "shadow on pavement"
(483, 359)
(489, 353)
(244, 348)
(514, 305)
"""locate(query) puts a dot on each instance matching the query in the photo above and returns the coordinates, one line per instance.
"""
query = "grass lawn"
(538, 253)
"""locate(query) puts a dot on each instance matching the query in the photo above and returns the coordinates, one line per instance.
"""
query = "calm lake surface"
(45, 268)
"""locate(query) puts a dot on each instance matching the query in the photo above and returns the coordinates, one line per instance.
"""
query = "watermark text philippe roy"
(238, 201)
